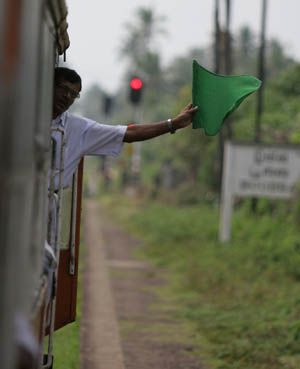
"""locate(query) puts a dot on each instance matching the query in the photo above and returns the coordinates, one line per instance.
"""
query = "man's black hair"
(66, 74)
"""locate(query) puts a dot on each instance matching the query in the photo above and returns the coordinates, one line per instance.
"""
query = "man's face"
(64, 95)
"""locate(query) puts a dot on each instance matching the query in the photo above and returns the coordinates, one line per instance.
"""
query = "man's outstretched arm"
(141, 132)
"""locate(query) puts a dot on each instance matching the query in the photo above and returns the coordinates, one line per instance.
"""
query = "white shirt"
(84, 137)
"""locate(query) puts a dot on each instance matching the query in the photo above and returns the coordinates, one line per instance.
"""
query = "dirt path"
(100, 340)
(125, 324)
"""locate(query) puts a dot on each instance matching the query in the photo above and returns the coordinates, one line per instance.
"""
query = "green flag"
(218, 96)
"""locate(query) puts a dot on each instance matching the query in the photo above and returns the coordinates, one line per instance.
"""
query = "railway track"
(125, 324)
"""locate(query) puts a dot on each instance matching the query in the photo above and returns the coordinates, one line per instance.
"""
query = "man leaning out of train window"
(84, 136)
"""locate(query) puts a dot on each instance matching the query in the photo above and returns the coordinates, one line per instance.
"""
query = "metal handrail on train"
(55, 196)
(73, 226)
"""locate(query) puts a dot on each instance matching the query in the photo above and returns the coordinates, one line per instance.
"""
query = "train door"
(69, 252)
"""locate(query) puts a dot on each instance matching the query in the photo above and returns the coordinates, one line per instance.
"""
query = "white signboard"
(256, 170)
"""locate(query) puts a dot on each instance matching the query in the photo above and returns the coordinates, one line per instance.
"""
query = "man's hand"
(141, 132)
(185, 117)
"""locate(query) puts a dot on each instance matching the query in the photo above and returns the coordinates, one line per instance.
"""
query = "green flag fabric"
(217, 96)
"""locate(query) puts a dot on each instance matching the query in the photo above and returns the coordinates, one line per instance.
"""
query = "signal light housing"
(135, 90)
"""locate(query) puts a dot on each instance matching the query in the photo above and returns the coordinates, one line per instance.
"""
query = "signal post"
(136, 86)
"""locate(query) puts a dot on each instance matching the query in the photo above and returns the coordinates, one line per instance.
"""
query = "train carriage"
(33, 35)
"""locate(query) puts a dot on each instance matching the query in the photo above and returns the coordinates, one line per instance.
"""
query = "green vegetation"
(190, 161)
(67, 347)
(67, 339)
(189, 158)
(242, 298)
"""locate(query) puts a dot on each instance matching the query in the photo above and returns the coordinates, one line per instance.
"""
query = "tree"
(277, 60)
(140, 50)
(179, 71)
(245, 48)
(91, 102)
(140, 40)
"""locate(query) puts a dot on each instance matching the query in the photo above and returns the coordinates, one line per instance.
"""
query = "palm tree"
(150, 24)
(246, 42)
(245, 51)
(140, 40)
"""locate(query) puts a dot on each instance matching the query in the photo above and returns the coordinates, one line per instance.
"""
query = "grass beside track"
(242, 298)
(67, 339)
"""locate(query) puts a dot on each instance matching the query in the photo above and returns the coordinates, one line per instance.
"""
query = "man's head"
(67, 87)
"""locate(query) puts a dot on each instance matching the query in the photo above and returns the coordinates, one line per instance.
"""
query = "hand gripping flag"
(218, 96)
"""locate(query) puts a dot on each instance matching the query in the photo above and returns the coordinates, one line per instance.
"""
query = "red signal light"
(136, 83)
(136, 89)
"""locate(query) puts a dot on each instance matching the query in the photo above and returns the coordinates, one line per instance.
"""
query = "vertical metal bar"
(217, 54)
(53, 176)
(77, 231)
(228, 50)
(226, 195)
(228, 59)
(261, 73)
(260, 92)
(73, 225)
(217, 37)
(137, 147)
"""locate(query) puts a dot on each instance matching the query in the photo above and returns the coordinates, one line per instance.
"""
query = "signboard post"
(256, 170)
